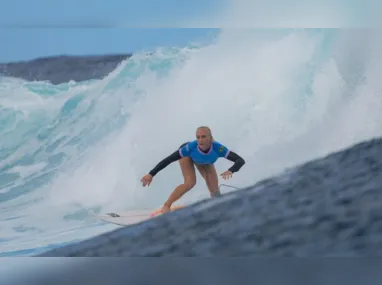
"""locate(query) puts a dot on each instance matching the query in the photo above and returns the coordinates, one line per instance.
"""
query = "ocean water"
(278, 98)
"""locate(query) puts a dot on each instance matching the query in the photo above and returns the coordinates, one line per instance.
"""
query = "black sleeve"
(165, 162)
(238, 161)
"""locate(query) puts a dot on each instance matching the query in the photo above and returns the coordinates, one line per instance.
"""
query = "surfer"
(203, 153)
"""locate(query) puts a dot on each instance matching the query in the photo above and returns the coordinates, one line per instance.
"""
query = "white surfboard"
(133, 217)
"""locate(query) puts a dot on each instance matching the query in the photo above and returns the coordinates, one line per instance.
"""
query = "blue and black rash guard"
(201, 157)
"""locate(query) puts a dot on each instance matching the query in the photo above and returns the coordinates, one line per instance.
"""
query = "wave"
(79, 147)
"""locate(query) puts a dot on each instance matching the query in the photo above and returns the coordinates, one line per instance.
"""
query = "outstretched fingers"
(226, 175)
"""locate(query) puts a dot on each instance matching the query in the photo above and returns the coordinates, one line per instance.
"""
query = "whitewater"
(277, 97)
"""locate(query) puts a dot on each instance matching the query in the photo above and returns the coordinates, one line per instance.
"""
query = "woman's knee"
(212, 178)
(211, 172)
(189, 183)
(188, 171)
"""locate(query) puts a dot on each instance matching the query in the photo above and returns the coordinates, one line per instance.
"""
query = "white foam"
(247, 86)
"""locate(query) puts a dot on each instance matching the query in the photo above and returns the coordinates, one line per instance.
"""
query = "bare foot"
(215, 194)
(165, 209)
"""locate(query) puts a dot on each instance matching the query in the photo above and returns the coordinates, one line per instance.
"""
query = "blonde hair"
(208, 129)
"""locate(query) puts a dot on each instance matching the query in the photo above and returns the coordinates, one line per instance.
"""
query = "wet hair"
(208, 129)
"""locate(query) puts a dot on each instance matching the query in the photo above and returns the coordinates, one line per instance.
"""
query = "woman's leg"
(210, 175)
(188, 171)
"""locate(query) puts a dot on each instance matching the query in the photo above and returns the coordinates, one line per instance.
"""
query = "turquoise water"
(77, 149)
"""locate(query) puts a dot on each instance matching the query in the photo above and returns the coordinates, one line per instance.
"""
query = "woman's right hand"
(146, 180)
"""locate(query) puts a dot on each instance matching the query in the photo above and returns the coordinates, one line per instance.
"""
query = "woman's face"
(204, 138)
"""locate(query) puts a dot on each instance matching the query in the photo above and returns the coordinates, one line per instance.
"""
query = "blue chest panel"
(199, 157)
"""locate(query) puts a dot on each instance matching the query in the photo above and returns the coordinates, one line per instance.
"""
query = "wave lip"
(63, 68)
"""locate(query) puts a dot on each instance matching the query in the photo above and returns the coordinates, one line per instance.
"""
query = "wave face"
(73, 149)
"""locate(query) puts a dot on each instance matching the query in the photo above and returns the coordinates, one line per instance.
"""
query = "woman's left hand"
(226, 175)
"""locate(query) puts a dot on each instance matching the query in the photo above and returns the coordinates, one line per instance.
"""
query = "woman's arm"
(238, 161)
(165, 162)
